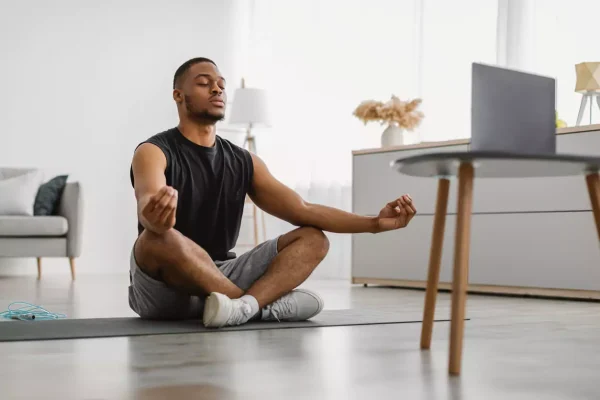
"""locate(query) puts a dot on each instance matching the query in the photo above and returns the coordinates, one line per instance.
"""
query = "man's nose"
(216, 89)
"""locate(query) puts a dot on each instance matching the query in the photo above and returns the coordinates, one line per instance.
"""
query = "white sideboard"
(532, 236)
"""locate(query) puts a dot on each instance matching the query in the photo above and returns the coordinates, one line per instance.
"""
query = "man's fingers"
(401, 218)
(402, 208)
(393, 204)
(408, 205)
(167, 216)
(156, 198)
(161, 192)
(397, 202)
(404, 205)
(164, 202)
(172, 218)
(151, 203)
(410, 208)
(169, 208)
(406, 214)
(166, 212)
(159, 208)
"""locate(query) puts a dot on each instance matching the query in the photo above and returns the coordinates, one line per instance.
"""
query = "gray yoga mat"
(111, 327)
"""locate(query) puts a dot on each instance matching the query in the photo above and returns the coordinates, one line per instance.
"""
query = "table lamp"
(588, 84)
(250, 108)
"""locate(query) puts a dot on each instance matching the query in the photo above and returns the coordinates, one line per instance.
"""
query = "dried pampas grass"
(395, 111)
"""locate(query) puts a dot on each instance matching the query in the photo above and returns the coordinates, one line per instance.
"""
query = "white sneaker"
(298, 305)
(220, 311)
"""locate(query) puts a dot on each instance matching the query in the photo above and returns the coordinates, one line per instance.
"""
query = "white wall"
(82, 83)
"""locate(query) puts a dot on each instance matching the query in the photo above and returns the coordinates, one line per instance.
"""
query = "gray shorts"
(153, 299)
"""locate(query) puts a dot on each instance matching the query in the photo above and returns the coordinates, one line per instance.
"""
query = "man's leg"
(181, 264)
(299, 253)
(272, 281)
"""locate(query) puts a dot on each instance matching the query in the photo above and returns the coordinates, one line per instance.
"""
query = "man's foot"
(298, 305)
(220, 311)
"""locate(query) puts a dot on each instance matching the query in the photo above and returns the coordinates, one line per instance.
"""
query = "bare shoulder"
(257, 162)
(148, 154)
(263, 180)
(274, 197)
(262, 176)
(148, 168)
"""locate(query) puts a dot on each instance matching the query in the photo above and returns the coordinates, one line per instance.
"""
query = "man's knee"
(316, 241)
(153, 251)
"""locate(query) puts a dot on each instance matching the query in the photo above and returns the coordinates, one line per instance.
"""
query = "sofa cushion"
(17, 192)
(16, 225)
(49, 195)
(10, 172)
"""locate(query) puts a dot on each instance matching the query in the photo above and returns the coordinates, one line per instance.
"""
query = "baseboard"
(488, 289)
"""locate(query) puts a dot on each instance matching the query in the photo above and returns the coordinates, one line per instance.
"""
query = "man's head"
(199, 90)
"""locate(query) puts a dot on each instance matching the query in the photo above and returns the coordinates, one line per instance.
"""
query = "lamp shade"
(250, 106)
(588, 77)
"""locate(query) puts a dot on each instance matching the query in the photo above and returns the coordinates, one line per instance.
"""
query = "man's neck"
(200, 133)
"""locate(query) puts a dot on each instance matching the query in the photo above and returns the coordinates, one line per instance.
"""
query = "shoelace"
(281, 307)
(240, 314)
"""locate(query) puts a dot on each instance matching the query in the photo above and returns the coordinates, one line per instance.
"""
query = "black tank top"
(212, 183)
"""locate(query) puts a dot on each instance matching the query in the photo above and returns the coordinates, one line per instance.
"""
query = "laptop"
(512, 111)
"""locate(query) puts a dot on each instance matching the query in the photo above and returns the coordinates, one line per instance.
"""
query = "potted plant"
(559, 122)
(397, 114)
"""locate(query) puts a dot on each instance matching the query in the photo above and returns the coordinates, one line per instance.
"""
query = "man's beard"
(203, 115)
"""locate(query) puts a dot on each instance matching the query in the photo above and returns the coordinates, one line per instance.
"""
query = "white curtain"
(320, 59)
(549, 37)
(456, 33)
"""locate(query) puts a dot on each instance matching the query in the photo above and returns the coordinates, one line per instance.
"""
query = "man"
(190, 185)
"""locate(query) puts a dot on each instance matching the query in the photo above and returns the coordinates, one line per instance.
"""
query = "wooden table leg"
(593, 185)
(435, 260)
(461, 265)
(39, 265)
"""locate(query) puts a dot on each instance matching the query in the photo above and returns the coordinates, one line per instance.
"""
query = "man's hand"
(159, 212)
(396, 214)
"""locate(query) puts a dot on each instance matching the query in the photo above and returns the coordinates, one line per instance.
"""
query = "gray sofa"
(46, 236)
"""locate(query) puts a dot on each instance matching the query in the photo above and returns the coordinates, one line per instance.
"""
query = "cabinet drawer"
(403, 253)
(540, 194)
(544, 250)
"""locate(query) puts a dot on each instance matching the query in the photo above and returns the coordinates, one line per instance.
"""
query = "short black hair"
(187, 65)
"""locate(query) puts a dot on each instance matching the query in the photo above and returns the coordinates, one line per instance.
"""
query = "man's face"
(201, 92)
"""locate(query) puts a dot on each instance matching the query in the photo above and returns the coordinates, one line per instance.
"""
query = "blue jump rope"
(24, 311)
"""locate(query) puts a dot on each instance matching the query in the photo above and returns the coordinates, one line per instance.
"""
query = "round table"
(466, 166)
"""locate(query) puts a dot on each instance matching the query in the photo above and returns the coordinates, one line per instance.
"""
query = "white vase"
(393, 135)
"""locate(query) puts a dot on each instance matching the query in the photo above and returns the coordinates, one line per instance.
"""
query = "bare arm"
(156, 202)
(275, 198)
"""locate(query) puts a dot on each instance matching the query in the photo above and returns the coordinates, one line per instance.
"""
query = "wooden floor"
(515, 349)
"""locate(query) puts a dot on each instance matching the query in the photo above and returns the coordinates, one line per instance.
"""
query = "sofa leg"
(72, 262)
(39, 265)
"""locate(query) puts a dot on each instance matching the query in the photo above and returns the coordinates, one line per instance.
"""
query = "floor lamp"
(250, 108)
(588, 84)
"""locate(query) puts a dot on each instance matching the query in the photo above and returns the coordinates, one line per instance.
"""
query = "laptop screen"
(512, 111)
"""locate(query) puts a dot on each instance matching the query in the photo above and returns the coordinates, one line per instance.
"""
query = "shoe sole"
(317, 297)
(215, 311)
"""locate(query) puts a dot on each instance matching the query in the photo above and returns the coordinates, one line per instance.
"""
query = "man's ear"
(177, 96)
